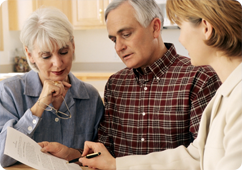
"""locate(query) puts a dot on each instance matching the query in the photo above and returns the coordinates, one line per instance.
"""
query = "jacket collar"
(234, 78)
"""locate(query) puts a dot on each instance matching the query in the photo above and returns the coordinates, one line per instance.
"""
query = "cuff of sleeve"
(28, 122)
(80, 150)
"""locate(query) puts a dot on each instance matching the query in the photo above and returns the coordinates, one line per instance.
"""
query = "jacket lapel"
(201, 139)
(215, 107)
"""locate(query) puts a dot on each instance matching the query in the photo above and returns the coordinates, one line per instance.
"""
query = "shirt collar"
(33, 86)
(78, 88)
(230, 83)
(159, 67)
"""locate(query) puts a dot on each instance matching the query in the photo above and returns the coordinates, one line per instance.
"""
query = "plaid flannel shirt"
(157, 109)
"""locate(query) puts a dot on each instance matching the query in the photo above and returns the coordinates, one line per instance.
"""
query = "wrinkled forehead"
(119, 19)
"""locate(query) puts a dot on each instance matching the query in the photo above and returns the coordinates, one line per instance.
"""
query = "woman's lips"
(58, 72)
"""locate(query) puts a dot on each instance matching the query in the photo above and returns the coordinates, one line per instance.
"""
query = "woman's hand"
(104, 161)
(53, 92)
(59, 150)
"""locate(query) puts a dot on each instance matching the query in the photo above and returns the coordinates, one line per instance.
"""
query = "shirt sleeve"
(179, 158)
(99, 115)
(10, 116)
(205, 86)
(104, 132)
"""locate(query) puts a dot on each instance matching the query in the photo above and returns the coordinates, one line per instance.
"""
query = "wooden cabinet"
(19, 10)
(83, 14)
(1, 30)
(92, 76)
(88, 14)
(63, 5)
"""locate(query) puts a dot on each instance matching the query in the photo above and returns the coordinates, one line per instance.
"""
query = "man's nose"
(119, 45)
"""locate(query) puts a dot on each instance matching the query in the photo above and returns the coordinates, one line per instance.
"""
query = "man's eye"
(113, 40)
(126, 35)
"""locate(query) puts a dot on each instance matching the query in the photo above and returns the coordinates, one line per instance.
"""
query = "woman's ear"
(73, 43)
(207, 29)
(31, 59)
(156, 27)
(73, 46)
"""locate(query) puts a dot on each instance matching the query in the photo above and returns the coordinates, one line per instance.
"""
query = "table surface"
(20, 166)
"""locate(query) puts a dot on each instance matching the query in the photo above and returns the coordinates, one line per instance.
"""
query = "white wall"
(94, 46)
(172, 36)
(11, 38)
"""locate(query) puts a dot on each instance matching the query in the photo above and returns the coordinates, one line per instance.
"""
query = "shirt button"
(34, 121)
(157, 78)
(145, 88)
(30, 128)
(143, 113)
(56, 119)
(142, 139)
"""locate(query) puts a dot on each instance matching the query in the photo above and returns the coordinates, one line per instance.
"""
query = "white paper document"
(24, 149)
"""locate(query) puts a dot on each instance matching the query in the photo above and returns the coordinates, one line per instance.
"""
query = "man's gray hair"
(49, 28)
(146, 10)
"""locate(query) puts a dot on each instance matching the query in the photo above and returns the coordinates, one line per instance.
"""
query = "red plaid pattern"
(158, 109)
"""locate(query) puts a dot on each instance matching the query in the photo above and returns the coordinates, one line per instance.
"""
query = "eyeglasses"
(59, 114)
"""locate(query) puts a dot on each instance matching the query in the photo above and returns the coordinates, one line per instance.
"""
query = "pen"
(87, 156)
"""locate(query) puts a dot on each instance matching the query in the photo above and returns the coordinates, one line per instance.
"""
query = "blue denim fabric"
(18, 94)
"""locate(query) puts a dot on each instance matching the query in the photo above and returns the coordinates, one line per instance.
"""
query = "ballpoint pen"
(87, 156)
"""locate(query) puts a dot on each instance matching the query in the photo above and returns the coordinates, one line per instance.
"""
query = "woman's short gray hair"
(146, 10)
(49, 28)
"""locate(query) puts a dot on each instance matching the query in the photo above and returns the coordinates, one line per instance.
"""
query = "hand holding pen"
(105, 161)
(87, 156)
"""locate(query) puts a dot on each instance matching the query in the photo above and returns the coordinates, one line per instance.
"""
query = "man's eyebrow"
(119, 32)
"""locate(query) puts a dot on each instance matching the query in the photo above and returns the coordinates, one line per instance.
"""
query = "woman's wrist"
(36, 110)
(74, 153)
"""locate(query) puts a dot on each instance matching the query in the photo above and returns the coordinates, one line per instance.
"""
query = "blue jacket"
(19, 93)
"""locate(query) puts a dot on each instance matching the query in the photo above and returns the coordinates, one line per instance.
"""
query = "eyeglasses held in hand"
(59, 114)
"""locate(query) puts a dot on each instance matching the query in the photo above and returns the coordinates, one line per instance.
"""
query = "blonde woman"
(49, 103)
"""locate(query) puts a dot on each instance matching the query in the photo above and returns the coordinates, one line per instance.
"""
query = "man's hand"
(59, 150)
(104, 161)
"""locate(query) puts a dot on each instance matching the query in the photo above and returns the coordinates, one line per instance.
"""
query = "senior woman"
(211, 32)
(49, 103)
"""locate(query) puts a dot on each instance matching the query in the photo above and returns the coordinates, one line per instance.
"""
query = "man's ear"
(156, 26)
(31, 59)
(207, 29)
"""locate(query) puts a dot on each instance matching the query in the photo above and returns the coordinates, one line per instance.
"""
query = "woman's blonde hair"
(49, 28)
(224, 15)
